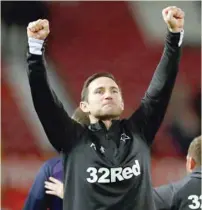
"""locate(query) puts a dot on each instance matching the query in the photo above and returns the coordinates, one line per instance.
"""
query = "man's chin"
(109, 116)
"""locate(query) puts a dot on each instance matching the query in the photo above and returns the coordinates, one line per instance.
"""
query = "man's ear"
(192, 163)
(84, 106)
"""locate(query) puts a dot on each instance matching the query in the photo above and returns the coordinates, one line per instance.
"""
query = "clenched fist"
(38, 29)
(174, 18)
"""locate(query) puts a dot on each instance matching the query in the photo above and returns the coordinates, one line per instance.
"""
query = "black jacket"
(182, 195)
(107, 169)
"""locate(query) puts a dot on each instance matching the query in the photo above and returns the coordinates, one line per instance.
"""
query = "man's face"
(104, 99)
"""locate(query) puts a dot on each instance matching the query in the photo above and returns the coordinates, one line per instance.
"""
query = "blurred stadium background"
(125, 38)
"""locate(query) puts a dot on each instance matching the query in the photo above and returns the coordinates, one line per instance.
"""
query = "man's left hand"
(174, 18)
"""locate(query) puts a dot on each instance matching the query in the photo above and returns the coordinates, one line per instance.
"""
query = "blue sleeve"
(37, 199)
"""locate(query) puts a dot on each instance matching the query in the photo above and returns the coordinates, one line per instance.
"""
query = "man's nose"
(108, 95)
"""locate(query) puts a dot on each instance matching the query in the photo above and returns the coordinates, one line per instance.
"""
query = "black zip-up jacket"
(181, 195)
(107, 169)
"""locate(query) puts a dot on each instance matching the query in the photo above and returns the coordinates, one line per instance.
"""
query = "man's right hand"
(38, 29)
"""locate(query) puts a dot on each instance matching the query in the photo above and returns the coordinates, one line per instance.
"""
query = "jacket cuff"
(175, 39)
(35, 46)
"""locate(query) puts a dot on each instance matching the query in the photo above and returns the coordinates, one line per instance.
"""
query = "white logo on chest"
(124, 137)
(110, 175)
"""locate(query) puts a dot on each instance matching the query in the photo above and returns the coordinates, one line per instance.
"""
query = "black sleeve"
(163, 197)
(147, 119)
(62, 132)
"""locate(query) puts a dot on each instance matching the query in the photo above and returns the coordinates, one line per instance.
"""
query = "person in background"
(50, 175)
(184, 194)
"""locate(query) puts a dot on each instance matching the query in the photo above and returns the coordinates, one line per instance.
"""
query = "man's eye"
(99, 91)
(115, 91)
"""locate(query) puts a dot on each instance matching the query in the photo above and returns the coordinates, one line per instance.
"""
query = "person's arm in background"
(54, 187)
(37, 198)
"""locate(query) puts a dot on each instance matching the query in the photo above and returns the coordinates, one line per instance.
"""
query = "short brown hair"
(84, 92)
(81, 117)
(194, 150)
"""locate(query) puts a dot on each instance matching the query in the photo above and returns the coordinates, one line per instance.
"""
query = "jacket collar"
(196, 173)
(101, 126)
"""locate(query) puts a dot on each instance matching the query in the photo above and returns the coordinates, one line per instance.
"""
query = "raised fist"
(174, 18)
(38, 29)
